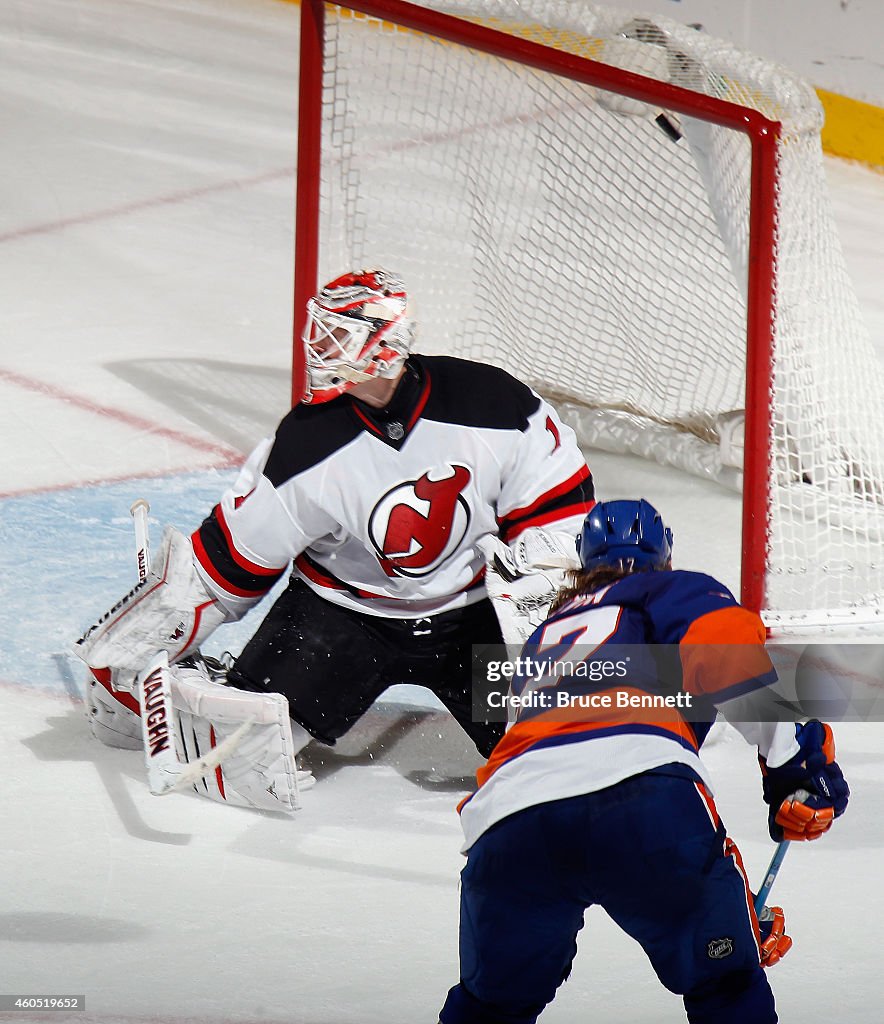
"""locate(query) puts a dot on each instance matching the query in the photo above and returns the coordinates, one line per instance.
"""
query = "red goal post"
(338, 201)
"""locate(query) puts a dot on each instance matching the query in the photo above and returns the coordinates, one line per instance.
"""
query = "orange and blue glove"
(808, 792)
(775, 943)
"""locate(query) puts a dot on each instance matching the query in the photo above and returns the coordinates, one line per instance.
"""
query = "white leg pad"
(112, 712)
(261, 772)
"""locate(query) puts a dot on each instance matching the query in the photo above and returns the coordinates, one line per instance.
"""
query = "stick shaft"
(154, 691)
(165, 773)
(770, 875)
(139, 511)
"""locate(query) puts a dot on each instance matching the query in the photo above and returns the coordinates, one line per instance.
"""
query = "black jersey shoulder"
(475, 394)
(308, 435)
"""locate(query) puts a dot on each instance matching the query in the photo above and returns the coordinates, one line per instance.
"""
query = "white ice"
(146, 237)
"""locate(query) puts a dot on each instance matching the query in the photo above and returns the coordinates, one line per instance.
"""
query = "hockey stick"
(154, 689)
(139, 511)
(165, 773)
(775, 862)
(771, 874)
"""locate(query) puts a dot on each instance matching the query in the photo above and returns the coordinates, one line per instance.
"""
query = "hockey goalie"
(422, 505)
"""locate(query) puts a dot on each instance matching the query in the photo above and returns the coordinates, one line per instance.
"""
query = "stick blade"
(184, 775)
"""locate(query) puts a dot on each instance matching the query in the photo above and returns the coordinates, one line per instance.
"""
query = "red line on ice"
(182, 196)
(223, 455)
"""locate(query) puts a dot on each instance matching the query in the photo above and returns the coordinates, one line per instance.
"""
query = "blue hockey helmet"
(628, 533)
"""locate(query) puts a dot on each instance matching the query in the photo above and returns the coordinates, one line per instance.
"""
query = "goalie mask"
(359, 327)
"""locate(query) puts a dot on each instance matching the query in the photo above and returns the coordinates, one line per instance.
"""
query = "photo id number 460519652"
(21, 1002)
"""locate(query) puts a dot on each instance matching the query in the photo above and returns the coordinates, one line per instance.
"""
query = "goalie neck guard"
(359, 327)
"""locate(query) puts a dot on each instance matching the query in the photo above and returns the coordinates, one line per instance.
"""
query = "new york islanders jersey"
(381, 510)
(617, 682)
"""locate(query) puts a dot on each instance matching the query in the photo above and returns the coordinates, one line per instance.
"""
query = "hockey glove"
(807, 792)
(522, 580)
(775, 943)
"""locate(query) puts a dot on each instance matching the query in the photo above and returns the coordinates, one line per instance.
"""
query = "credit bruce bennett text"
(593, 671)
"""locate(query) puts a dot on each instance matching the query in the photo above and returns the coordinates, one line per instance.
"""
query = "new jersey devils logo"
(417, 524)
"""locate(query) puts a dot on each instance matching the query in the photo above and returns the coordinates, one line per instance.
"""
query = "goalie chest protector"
(381, 510)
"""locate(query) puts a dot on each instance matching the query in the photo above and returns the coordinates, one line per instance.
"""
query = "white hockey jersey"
(381, 510)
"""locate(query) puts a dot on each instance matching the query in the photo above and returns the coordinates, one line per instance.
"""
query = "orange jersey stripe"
(732, 850)
(564, 721)
(723, 648)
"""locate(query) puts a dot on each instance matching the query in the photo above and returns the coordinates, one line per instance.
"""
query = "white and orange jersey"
(623, 680)
(382, 510)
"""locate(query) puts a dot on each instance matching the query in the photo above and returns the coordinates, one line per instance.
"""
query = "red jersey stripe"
(237, 556)
(554, 515)
(421, 402)
(205, 562)
(554, 492)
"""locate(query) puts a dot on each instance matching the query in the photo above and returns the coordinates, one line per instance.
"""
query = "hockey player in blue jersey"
(589, 799)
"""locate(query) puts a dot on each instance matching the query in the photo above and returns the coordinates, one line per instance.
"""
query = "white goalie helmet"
(359, 327)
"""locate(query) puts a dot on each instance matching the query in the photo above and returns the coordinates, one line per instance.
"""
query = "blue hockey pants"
(652, 853)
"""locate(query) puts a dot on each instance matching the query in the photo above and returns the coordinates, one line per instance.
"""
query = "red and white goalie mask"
(358, 327)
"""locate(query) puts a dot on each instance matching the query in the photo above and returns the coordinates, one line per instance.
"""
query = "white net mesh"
(559, 231)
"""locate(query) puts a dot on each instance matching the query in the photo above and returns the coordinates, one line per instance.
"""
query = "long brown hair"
(582, 581)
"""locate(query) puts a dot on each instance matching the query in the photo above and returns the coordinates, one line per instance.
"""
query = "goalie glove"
(523, 579)
(169, 610)
(807, 792)
(536, 549)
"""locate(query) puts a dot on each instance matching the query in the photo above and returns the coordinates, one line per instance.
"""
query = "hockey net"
(615, 254)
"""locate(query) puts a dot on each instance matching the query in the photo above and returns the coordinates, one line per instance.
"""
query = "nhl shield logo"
(718, 949)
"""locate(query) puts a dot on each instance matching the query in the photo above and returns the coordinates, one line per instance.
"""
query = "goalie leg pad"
(261, 772)
(112, 711)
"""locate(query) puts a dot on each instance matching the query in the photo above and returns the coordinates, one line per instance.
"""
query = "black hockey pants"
(333, 663)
